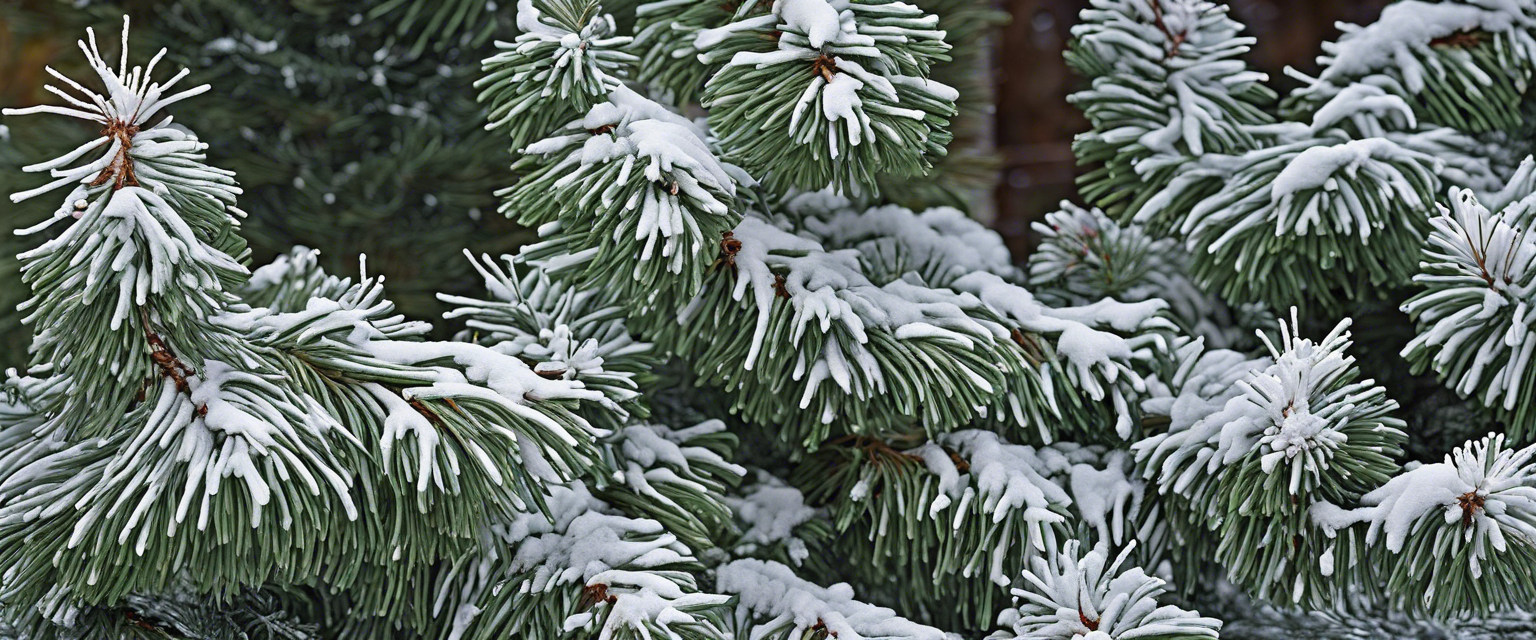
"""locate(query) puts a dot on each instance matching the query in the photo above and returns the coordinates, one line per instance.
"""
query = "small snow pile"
(1001, 482)
(1370, 109)
(776, 599)
(1321, 168)
(1106, 495)
(1203, 383)
(1000, 478)
(770, 511)
(815, 18)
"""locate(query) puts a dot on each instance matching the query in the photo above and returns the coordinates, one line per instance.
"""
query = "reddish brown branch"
(1175, 39)
(1093, 625)
(729, 247)
(824, 66)
(778, 287)
(1460, 39)
(1471, 502)
(876, 450)
(593, 594)
(1031, 346)
(120, 171)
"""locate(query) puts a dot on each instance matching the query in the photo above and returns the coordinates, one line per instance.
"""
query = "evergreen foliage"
(754, 380)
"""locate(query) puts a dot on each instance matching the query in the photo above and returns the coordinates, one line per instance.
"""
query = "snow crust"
(1400, 38)
(777, 598)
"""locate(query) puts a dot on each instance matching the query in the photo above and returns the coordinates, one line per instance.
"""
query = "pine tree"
(361, 113)
(739, 388)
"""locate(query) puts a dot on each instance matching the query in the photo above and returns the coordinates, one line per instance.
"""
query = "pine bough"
(892, 431)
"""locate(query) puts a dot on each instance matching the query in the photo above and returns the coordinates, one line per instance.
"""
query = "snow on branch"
(939, 245)
(782, 606)
(677, 477)
(157, 157)
(505, 417)
(1084, 256)
(851, 98)
(568, 332)
(794, 290)
(1302, 429)
(962, 510)
(583, 568)
(1453, 527)
(1406, 33)
(1465, 64)
(773, 518)
(1000, 481)
(1169, 87)
(640, 200)
(288, 282)
(1065, 597)
(666, 39)
(1295, 414)
(1341, 209)
(1473, 313)
(566, 59)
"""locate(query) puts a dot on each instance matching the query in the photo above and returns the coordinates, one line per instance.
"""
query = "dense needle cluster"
(753, 380)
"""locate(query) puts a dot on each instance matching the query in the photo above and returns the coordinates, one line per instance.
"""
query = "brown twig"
(1032, 351)
(1176, 39)
(875, 449)
(426, 412)
(824, 66)
(170, 366)
(1479, 255)
(1093, 625)
(593, 594)
(1460, 39)
(880, 452)
(432, 417)
(729, 247)
(121, 168)
(1471, 502)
